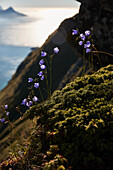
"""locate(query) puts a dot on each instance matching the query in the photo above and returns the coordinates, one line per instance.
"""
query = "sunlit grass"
(19, 134)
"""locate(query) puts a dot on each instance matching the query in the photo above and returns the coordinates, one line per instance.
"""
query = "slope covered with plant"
(74, 129)
(96, 14)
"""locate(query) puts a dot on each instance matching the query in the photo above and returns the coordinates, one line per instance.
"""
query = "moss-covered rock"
(76, 123)
(79, 119)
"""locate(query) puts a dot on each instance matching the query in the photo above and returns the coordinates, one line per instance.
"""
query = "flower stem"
(50, 74)
(97, 54)
(91, 58)
(83, 60)
(41, 95)
(103, 53)
(47, 86)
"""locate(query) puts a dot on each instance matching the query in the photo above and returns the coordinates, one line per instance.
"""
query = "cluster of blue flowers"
(31, 99)
(84, 39)
(29, 103)
(5, 108)
(41, 75)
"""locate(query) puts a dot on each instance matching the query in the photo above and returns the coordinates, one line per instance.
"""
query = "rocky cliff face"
(96, 14)
(99, 15)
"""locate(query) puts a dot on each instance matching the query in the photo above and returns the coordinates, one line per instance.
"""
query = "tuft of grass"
(20, 132)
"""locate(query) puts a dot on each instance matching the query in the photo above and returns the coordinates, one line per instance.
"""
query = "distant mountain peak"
(10, 12)
(10, 8)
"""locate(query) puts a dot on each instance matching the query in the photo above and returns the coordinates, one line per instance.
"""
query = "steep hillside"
(98, 15)
(77, 123)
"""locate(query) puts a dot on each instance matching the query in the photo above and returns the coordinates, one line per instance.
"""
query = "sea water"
(19, 35)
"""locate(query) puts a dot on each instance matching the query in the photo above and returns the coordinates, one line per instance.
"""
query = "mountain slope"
(90, 15)
(10, 12)
(76, 124)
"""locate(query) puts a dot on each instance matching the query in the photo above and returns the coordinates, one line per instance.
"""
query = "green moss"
(81, 116)
(77, 123)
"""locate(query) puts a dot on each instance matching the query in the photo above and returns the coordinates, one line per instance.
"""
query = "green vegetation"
(11, 137)
(74, 129)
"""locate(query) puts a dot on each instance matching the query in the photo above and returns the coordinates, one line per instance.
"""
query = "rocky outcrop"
(78, 119)
(96, 14)
(103, 4)
(99, 15)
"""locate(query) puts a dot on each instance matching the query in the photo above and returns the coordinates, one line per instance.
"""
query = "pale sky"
(39, 3)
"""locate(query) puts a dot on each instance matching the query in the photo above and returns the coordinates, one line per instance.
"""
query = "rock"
(99, 15)
(79, 121)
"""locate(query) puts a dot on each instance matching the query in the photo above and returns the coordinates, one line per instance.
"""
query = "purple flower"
(24, 102)
(7, 113)
(6, 106)
(35, 99)
(87, 45)
(43, 67)
(41, 62)
(87, 33)
(40, 73)
(42, 78)
(88, 50)
(30, 80)
(82, 36)
(43, 54)
(80, 42)
(36, 85)
(74, 32)
(29, 104)
(56, 50)
(2, 120)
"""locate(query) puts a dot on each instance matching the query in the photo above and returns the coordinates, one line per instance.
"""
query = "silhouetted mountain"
(10, 12)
